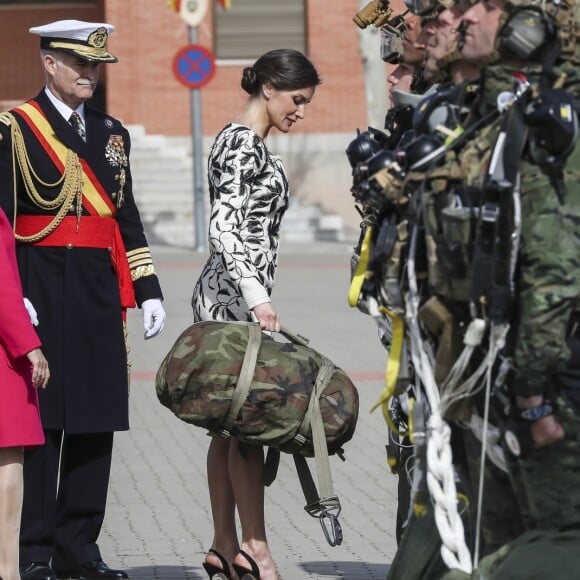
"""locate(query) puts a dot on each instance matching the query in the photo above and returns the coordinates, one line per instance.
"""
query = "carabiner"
(331, 528)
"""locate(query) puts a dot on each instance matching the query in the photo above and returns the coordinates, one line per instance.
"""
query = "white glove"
(31, 312)
(153, 317)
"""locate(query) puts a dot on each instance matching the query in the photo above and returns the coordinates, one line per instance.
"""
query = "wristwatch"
(536, 413)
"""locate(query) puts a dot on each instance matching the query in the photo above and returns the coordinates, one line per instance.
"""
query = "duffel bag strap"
(245, 379)
(273, 456)
(313, 418)
(326, 508)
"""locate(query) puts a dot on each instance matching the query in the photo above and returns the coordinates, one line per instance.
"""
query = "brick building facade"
(141, 88)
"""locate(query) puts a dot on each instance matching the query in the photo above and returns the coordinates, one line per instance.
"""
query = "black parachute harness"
(495, 258)
(496, 246)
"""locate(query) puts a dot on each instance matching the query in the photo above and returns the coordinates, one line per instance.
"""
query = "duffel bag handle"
(291, 336)
(295, 338)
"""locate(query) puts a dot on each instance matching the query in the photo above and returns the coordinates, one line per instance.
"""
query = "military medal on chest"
(116, 156)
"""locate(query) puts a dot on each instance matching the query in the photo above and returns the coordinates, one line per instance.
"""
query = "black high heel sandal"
(214, 572)
(245, 573)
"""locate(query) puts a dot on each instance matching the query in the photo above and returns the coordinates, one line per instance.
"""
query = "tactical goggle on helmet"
(425, 7)
(391, 40)
(376, 12)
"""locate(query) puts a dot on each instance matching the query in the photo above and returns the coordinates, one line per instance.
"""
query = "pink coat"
(19, 416)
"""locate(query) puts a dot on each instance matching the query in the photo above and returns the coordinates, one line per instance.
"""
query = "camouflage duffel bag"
(234, 380)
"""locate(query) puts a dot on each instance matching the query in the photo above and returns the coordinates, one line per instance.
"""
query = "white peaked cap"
(84, 39)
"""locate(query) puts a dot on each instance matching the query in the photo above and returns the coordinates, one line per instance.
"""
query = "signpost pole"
(199, 223)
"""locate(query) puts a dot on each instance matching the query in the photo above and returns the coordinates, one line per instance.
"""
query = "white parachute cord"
(495, 452)
(472, 339)
(474, 383)
(423, 366)
(441, 484)
(440, 472)
(496, 342)
(469, 387)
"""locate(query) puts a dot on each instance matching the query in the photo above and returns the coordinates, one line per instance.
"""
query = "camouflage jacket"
(548, 268)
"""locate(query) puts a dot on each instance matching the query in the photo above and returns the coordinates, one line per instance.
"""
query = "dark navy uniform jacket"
(75, 290)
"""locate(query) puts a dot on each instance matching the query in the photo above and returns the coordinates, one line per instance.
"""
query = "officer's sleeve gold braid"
(70, 182)
(140, 263)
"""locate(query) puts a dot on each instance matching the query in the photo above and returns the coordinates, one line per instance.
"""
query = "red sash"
(93, 232)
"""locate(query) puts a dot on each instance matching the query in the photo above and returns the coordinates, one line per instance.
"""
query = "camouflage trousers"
(548, 479)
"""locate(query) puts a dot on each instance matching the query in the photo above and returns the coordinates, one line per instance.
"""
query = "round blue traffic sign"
(194, 66)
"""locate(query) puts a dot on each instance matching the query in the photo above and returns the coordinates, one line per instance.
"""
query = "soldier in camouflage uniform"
(502, 251)
(442, 117)
(543, 430)
(542, 434)
(399, 35)
(438, 35)
(439, 24)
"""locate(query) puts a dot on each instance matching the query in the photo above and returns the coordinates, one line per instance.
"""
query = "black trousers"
(65, 495)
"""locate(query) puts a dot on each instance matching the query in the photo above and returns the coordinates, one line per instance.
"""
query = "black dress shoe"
(36, 571)
(95, 569)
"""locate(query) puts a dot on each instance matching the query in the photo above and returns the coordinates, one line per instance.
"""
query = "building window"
(249, 28)
(39, 2)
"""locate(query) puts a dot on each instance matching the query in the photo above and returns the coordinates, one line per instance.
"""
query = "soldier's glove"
(153, 317)
(31, 312)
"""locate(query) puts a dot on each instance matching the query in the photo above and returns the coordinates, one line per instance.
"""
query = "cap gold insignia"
(98, 38)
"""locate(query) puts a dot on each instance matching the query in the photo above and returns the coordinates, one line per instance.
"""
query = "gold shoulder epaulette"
(6, 119)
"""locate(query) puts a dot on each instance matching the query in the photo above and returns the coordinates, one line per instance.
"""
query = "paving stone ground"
(158, 523)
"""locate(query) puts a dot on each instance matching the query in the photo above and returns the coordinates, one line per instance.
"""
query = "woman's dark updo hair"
(285, 69)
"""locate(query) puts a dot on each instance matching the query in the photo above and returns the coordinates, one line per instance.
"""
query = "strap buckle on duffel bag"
(326, 508)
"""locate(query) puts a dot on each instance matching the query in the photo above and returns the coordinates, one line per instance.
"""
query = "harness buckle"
(489, 213)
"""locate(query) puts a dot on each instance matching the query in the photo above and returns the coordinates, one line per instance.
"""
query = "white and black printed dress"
(248, 191)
